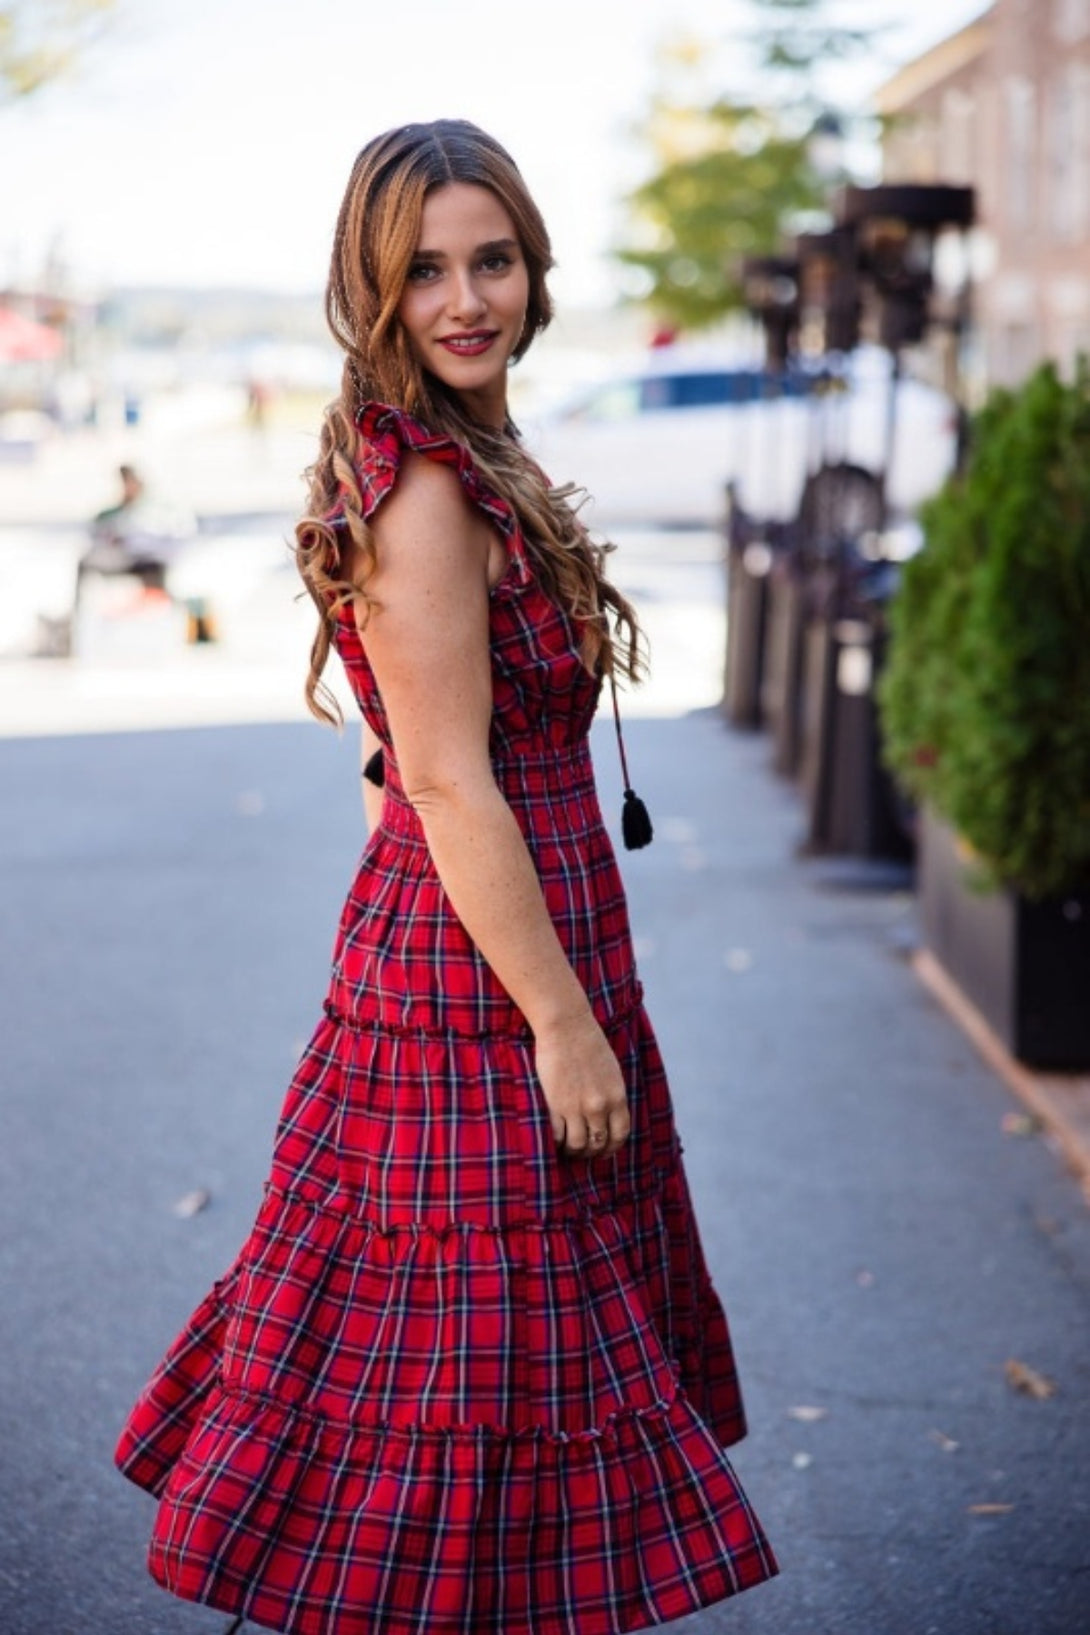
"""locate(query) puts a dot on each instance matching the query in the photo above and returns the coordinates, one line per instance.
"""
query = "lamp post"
(770, 288)
(874, 272)
(897, 228)
(771, 292)
(830, 313)
(825, 148)
(830, 294)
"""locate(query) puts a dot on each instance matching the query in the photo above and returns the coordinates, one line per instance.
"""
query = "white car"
(659, 442)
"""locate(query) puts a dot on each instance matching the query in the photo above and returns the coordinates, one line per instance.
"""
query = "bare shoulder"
(427, 503)
(431, 564)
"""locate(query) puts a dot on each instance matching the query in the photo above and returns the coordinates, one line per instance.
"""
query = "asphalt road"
(882, 1245)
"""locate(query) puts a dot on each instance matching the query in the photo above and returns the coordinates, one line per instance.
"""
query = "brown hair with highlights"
(376, 237)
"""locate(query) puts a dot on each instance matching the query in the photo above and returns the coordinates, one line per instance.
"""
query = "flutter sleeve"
(386, 434)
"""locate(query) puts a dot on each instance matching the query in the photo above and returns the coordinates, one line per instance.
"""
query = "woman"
(468, 1373)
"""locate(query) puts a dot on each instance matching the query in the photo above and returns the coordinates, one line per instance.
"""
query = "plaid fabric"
(455, 1382)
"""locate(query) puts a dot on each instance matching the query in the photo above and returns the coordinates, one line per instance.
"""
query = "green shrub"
(986, 697)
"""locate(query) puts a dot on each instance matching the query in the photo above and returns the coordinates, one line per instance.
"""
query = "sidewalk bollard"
(816, 728)
(853, 804)
(781, 690)
(749, 562)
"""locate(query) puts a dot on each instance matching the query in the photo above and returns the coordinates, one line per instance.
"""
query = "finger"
(620, 1127)
(559, 1128)
(597, 1140)
(578, 1138)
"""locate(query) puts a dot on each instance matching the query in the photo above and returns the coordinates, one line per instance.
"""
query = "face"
(464, 302)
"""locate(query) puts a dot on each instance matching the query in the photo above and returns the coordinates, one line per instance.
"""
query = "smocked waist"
(554, 781)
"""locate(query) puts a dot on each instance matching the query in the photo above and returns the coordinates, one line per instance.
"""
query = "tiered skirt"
(454, 1381)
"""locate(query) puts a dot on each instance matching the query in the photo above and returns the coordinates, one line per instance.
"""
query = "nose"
(465, 300)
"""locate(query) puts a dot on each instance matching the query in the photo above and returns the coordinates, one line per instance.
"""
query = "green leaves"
(702, 212)
(734, 178)
(986, 698)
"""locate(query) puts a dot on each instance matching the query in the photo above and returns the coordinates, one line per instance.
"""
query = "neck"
(488, 409)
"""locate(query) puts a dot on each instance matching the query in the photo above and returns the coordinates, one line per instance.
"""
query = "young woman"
(468, 1373)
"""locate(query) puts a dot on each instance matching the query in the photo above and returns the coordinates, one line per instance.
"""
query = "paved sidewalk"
(885, 1249)
(1058, 1102)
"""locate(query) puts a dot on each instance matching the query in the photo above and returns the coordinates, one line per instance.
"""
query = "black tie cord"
(636, 829)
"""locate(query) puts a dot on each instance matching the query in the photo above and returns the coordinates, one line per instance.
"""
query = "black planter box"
(1025, 966)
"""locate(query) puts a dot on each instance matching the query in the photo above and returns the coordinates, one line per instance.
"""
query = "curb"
(1061, 1101)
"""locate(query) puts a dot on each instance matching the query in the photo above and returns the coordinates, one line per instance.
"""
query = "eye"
(422, 272)
(496, 262)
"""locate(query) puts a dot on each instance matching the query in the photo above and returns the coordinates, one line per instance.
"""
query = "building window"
(956, 158)
(1078, 91)
(1070, 19)
(1060, 132)
(1069, 152)
(1073, 342)
(1021, 152)
(1020, 353)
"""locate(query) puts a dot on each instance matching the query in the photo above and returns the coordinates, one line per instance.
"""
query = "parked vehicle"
(658, 442)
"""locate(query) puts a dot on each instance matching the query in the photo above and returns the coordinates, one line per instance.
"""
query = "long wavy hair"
(377, 235)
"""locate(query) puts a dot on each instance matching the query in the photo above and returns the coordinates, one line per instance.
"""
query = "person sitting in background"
(138, 535)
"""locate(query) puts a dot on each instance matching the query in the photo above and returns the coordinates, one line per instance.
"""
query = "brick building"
(1004, 105)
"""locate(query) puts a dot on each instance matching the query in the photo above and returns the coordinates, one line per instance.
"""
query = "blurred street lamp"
(830, 295)
(825, 148)
(770, 288)
(898, 228)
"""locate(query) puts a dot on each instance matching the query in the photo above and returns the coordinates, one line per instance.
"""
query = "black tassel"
(635, 822)
(636, 830)
(374, 769)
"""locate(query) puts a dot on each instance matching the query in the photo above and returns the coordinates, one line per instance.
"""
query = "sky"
(208, 143)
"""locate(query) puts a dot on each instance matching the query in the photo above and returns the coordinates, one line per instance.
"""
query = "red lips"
(469, 344)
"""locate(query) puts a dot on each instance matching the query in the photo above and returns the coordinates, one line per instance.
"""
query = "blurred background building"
(1003, 105)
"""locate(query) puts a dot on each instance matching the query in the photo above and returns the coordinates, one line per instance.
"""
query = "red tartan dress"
(456, 1382)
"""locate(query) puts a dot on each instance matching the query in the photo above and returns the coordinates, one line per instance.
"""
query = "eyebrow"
(490, 248)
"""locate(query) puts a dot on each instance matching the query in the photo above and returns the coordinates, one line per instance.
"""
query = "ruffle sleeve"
(386, 434)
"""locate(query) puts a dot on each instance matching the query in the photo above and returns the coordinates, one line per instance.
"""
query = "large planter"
(1024, 965)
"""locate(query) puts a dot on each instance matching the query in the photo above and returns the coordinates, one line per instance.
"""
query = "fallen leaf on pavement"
(946, 1443)
(191, 1203)
(1021, 1377)
(1021, 1124)
(802, 1461)
(808, 1416)
(990, 1509)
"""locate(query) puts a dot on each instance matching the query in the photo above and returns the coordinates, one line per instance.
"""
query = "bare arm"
(428, 647)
